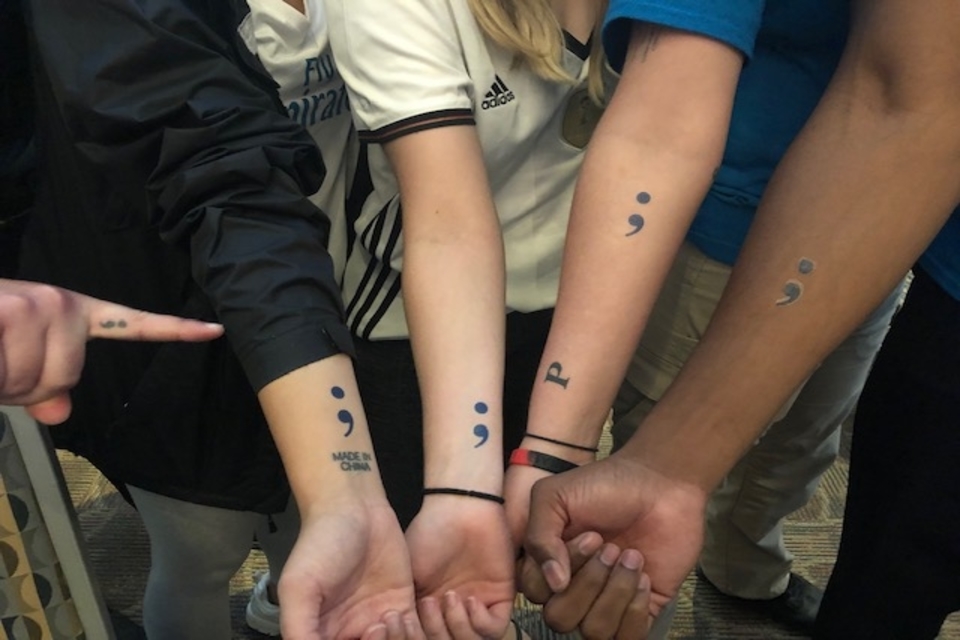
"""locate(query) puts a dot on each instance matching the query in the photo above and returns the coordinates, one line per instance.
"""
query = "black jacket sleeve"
(162, 99)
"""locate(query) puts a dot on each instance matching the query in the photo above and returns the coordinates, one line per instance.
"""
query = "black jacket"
(172, 180)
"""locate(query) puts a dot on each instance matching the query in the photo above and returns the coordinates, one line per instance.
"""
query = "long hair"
(530, 29)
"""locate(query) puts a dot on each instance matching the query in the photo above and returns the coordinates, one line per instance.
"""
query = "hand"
(517, 484)
(630, 505)
(348, 576)
(608, 595)
(463, 566)
(43, 335)
(519, 481)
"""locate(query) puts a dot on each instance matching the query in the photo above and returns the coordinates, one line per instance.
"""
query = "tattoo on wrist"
(636, 221)
(113, 324)
(343, 415)
(793, 289)
(481, 430)
(554, 373)
(353, 460)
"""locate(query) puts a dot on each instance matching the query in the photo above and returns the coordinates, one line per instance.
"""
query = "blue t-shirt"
(792, 48)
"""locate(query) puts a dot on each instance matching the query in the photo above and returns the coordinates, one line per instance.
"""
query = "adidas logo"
(498, 95)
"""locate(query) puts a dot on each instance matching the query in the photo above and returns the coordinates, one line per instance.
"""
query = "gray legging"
(194, 551)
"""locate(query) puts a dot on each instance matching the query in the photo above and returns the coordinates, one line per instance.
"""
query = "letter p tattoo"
(553, 375)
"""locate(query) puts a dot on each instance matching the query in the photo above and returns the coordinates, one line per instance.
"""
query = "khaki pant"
(744, 553)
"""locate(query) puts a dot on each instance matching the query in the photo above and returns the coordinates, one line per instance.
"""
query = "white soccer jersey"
(418, 64)
(295, 51)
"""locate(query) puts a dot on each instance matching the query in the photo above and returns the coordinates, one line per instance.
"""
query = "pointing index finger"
(117, 322)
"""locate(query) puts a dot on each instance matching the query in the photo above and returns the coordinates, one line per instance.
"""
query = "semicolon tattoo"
(636, 221)
(793, 289)
(791, 293)
(806, 266)
(113, 324)
(343, 415)
(353, 460)
(555, 373)
(481, 431)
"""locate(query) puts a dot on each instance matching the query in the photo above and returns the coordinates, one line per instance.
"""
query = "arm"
(410, 92)
(216, 168)
(648, 167)
(350, 568)
(453, 283)
(883, 142)
(862, 191)
(43, 334)
(198, 135)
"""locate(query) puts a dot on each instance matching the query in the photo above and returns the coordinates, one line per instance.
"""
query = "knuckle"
(49, 297)
(15, 307)
(20, 383)
(558, 621)
(593, 630)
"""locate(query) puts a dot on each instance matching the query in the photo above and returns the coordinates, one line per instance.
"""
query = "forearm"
(647, 169)
(318, 423)
(454, 296)
(453, 288)
(863, 189)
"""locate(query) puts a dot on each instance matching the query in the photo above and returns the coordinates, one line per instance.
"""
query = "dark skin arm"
(863, 189)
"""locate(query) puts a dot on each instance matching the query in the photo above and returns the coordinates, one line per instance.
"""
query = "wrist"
(578, 455)
(540, 460)
(686, 465)
(495, 498)
(348, 499)
(479, 471)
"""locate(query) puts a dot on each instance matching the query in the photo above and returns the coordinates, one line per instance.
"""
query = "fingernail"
(410, 626)
(430, 605)
(609, 554)
(585, 544)
(450, 599)
(644, 584)
(630, 559)
(553, 573)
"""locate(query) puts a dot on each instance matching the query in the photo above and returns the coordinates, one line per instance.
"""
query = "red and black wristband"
(543, 461)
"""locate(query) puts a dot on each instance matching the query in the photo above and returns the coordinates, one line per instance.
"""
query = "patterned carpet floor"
(119, 551)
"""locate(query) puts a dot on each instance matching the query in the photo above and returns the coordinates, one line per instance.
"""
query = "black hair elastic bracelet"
(578, 447)
(463, 492)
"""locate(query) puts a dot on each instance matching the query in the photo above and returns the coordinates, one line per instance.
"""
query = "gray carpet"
(119, 551)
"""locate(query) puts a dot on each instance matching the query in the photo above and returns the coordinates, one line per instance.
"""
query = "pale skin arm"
(454, 290)
(648, 166)
(349, 574)
(646, 171)
(43, 336)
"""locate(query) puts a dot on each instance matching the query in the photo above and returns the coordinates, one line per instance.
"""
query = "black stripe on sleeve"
(577, 48)
(421, 122)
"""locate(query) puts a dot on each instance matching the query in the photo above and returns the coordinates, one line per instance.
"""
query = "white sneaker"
(263, 615)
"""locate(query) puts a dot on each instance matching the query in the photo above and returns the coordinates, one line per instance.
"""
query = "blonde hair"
(530, 29)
